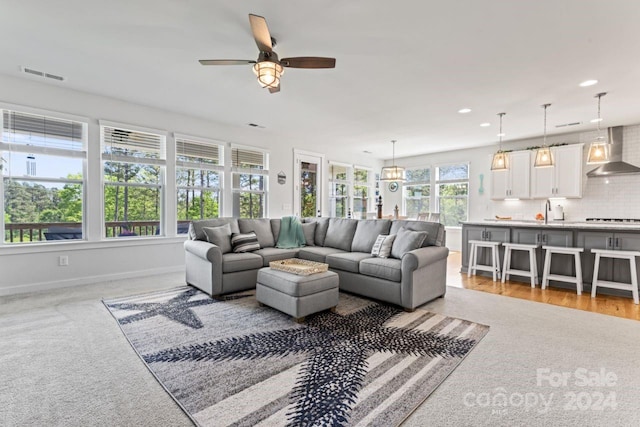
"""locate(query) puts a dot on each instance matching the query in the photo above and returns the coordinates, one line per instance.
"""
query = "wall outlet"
(63, 261)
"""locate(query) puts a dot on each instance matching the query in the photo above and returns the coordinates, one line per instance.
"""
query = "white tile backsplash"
(612, 197)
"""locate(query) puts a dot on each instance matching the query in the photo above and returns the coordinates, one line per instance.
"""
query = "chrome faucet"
(547, 208)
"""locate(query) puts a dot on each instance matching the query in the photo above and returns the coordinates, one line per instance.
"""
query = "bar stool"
(550, 250)
(473, 258)
(533, 262)
(628, 255)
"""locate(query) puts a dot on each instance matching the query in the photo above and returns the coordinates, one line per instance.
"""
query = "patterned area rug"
(232, 362)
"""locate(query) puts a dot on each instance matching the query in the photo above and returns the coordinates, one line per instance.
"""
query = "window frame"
(186, 165)
(368, 184)
(349, 190)
(69, 153)
(160, 162)
(438, 182)
(428, 182)
(264, 172)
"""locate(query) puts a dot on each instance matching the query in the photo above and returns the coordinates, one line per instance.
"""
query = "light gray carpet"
(64, 361)
(229, 361)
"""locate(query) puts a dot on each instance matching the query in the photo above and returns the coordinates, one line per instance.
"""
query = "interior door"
(308, 184)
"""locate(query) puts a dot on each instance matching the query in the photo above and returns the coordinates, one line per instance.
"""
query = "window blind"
(128, 143)
(198, 152)
(242, 158)
(24, 129)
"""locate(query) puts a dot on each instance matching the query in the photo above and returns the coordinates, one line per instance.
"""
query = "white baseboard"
(45, 286)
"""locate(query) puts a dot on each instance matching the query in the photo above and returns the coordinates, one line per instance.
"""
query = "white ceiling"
(403, 69)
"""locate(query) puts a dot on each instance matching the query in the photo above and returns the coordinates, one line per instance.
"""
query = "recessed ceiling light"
(588, 83)
(596, 120)
(464, 110)
(501, 134)
(485, 125)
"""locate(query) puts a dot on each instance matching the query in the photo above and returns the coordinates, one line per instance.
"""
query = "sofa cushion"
(435, 230)
(348, 261)
(367, 230)
(407, 240)
(275, 228)
(244, 242)
(309, 230)
(233, 262)
(219, 236)
(262, 228)
(321, 229)
(382, 268)
(195, 228)
(317, 253)
(382, 246)
(340, 233)
(275, 254)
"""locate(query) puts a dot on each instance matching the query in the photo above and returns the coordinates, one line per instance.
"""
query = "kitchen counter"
(571, 225)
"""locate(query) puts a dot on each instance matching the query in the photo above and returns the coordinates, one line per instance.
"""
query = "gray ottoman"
(296, 295)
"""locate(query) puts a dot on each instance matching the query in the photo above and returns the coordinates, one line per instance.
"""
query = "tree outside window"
(416, 192)
(249, 182)
(452, 186)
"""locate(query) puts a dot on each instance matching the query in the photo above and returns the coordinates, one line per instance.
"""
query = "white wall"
(24, 269)
(616, 196)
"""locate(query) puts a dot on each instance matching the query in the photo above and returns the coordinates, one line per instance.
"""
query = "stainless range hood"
(615, 166)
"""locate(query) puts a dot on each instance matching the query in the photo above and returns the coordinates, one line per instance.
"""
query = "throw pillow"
(382, 246)
(219, 236)
(407, 240)
(244, 242)
(309, 230)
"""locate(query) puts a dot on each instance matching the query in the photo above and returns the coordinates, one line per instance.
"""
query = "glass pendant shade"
(268, 73)
(599, 149)
(393, 172)
(544, 158)
(500, 161)
(598, 152)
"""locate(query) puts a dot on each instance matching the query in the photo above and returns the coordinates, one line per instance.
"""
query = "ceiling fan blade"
(309, 62)
(260, 33)
(226, 61)
(274, 89)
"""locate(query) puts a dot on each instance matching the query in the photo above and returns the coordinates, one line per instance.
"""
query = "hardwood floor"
(604, 304)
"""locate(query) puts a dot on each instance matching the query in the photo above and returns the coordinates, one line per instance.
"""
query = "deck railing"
(46, 231)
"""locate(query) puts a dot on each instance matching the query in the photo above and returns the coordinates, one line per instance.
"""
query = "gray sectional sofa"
(409, 280)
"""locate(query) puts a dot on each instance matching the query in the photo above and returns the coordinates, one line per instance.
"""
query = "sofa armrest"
(424, 275)
(204, 250)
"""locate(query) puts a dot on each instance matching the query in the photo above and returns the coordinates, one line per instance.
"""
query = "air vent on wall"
(564, 125)
(42, 74)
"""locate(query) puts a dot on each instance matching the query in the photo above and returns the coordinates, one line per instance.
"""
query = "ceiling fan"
(268, 67)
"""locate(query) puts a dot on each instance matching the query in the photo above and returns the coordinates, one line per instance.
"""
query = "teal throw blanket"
(291, 234)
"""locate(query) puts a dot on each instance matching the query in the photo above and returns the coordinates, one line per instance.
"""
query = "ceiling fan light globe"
(268, 73)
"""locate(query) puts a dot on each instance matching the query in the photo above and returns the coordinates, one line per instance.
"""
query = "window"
(361, 192)
(249, 178)
(134, 166)
(43, 184)
(198, 180)
(452, 186)
(339, 190)
(416, 192)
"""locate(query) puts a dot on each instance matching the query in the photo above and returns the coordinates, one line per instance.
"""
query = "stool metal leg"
(594, 281)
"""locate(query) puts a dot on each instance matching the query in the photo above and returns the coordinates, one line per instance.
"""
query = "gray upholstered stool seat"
(295, 295)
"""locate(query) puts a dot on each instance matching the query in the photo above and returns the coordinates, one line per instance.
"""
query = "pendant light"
(544, 158)
(599, 149)
(500, 159)
(393, 172)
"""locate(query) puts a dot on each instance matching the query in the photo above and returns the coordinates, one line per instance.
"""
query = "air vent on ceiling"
(253, 125)
(42, 74)
(564, 125)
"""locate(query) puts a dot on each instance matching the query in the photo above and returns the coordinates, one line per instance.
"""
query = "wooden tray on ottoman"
(301, 267)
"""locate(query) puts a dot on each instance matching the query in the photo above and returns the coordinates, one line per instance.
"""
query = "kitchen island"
(588, 235)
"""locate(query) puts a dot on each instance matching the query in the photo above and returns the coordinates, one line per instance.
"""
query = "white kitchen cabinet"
(514, 182)
(564, 179)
